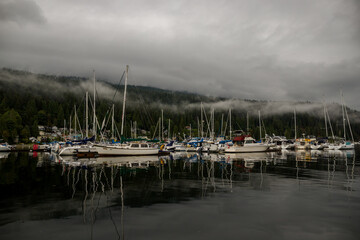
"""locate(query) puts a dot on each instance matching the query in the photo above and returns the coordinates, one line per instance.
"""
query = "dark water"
(302, 195)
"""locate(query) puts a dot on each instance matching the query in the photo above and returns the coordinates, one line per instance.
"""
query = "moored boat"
(5, 147)
(132, 149)
(246, 144)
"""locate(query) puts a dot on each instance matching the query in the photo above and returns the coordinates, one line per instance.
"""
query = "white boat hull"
(4, 148)
(120, 151)
(345, 147)
(68, 151)
(247, 148)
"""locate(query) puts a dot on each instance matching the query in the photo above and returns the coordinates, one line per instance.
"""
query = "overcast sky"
(269, 50)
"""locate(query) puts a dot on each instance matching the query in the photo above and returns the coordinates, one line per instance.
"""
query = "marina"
(189, 120)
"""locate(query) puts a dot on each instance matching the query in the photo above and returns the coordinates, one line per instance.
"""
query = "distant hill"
(29, 99)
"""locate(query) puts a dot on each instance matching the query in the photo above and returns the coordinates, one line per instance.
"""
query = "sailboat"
(345, 145)
(132, 149)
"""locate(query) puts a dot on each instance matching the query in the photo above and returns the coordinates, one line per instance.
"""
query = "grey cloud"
(279, 50)
(53, 86)
(21, 12)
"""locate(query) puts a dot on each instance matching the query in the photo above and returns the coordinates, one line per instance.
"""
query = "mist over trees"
(24, 106)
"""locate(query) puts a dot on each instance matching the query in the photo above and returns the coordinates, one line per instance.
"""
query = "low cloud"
(21, 12)
(58, 86)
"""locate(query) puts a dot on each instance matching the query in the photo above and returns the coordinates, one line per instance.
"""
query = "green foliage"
(42, 117)
(10, 125)
(25, 134)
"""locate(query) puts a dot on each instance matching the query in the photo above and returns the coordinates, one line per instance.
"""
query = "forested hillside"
(29, 100)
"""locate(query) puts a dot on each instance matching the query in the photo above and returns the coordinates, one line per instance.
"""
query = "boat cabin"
(139, 145)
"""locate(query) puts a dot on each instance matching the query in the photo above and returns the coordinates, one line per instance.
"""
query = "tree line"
(22, 111)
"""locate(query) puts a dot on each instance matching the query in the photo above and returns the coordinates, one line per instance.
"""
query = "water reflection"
(4, 154)
(116, 191)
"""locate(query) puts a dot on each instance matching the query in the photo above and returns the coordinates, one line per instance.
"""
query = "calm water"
(289, 195)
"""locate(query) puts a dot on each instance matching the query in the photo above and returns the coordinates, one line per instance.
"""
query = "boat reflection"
(128, 161)
(258, 156)
(4, 155)
(313, 155)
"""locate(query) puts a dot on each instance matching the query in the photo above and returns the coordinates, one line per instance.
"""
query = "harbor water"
(277, 195)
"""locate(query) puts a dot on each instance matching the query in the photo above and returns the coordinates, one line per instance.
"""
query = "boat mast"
(347, 118)
(325, 118)
(87, 114)
(213, 124)
(230, 122)
(162, 124)
(94, 123)
(328, 118)
(247, 122)
(190, 130)
(159, 130)
(198, 123)
(260, 125)
(112, 122)
(343, 113)
(222, 123)
(70, 127)
(75, 119)
(123, 112)
(169, 135)
(202, 121)
(295, 123)
(348, 121)
(132, 129)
